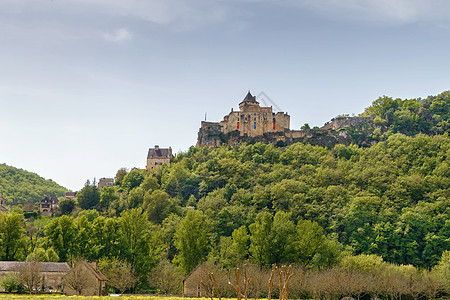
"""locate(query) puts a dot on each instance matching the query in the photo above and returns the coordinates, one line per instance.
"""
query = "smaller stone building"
(105, 182)
(48, 206)
(51, 274)
(88, 275)
(192, 282)
(157, 157)
(72, 195)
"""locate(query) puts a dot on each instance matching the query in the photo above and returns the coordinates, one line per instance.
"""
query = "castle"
(254, 123)
(251, 121)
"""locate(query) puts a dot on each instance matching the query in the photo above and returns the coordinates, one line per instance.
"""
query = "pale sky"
(87, 86)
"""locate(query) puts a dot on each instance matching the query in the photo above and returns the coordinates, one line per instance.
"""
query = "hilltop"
(20, 186)
(383, 118)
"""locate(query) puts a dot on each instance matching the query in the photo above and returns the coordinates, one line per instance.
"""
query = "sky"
(87, 86)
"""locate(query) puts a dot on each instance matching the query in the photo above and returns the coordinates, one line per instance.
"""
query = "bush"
(11, 283)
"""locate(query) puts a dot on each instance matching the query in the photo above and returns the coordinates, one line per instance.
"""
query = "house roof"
(70, 194)
(159, 153)
(95, 271)
(50, 200)
(44, 266)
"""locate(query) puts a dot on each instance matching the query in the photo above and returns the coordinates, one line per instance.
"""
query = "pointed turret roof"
(249, 98)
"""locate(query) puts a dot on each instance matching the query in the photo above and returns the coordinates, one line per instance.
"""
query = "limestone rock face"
(210, 135)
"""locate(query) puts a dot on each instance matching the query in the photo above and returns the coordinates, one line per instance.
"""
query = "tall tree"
(60, 234)
(192, 240)
(12, 237)
(260, 242)
(89, 196)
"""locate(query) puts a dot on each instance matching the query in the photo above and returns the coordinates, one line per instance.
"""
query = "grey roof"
(50, 200)
(70, 194)
(249, 98)
(44, 266)
(161, 153)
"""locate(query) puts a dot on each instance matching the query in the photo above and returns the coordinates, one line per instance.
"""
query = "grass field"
(57, 297)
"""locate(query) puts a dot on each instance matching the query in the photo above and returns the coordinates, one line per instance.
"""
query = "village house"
(157, 157)
(55, 276)
(95, 281)
(70, 195)
(192, 282)
(51, 273)
(105, 182)
(48, 206)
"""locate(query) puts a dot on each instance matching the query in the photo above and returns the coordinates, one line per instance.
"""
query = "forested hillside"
(307, 204)
(412, 116)
(18, 186)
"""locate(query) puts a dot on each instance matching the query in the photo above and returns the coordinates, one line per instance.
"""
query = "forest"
(317, 207)
(20, 186)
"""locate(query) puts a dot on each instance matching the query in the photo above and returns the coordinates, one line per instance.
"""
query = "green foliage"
(362, 263)
(12, 238)
(192, 240)
(11, 283)
(412, 116)
(38, 254)
(67, 205)
(120, 175)
(61, 235)
(20, 186)
(133, 179)
(89, 196)
(107, 196)
(442, 269)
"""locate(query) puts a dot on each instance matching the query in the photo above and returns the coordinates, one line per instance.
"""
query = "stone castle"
(261, 124)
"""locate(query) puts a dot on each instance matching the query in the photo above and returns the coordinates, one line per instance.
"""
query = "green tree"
(120, 175)
(309, 241)
(142, 241)
(133, 179)
(234, 249)
(12, 238)
(60, 234)
(89, 196)
(192, 240)
(158, 205)
(67, 205)
(107, 196)
(260, 238)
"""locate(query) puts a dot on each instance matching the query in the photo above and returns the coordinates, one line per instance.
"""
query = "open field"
(57, 297)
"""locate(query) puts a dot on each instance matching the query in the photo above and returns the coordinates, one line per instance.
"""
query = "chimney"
(156, 147)
(94, 264)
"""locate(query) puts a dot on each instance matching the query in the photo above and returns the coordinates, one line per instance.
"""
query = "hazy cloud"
(120, 35)
(400, 11)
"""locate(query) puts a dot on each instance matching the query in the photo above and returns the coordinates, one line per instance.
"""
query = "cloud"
(398, 11)
(176, 13)
(120, 35)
